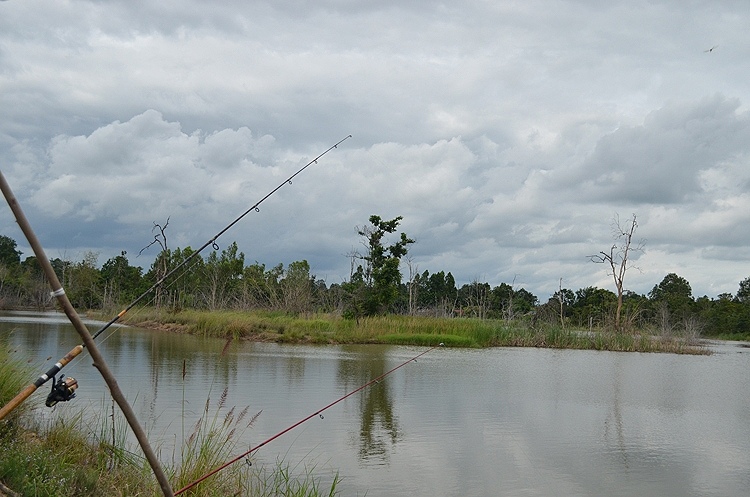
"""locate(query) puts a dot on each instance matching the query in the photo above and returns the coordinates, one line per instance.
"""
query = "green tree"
(563, 298)
(380, 274)
(262, 287)
(122, 282)
(33, 283)
(85, 290)
(222, 276)
(743, 294)
(474, 299)
(10, 256)
(593, 306)
(501, 301)
(524, 301)
(672, 299)
(297, 287)
(721, 316)
(436, 292)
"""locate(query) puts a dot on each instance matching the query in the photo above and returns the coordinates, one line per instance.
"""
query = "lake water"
(492, 422)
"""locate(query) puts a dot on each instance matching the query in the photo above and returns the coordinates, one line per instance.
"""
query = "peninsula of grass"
(281, 327)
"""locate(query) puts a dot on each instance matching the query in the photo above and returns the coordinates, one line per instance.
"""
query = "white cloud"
(506, 134)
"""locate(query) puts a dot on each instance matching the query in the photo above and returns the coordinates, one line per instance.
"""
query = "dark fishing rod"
(319, 412)
(52, 372)
(212, 241)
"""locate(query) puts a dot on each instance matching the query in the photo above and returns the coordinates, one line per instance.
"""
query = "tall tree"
(161, 264)
(297, 287)
(380, 274)
(222, 275)
(122, 282)
(9, 255)
(618, 258)
(743, 294)
(475, 299)
(85, 283)
(675, 293)
(593, 305)
(563, 299)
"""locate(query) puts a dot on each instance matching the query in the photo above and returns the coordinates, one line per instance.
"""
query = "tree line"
(223, 280)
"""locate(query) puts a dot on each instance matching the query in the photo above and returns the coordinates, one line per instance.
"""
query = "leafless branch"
(159, 238)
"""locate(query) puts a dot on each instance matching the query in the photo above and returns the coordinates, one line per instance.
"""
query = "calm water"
(508, 422)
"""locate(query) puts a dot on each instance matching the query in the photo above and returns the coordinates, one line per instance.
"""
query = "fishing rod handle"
(26, 392)
(16, 401)
(59, 365)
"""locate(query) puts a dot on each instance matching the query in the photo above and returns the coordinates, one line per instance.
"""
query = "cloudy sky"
(508, 134)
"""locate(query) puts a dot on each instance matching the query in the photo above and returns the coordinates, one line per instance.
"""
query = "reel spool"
(62, 391)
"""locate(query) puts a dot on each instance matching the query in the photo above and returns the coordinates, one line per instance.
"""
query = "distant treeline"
(222, 280)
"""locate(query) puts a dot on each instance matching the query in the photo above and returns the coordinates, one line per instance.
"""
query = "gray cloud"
(506, 135)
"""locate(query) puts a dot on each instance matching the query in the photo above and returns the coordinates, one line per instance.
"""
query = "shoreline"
(324, 329)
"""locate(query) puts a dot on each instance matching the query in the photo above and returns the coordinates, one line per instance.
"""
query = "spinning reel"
(62, 391)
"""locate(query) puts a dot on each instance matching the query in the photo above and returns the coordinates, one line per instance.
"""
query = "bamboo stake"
(88, 342)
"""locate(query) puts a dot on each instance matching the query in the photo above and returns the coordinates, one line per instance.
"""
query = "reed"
(283, 481)
(214, 440)
(404, 330)
(88, 455)
(14, 375)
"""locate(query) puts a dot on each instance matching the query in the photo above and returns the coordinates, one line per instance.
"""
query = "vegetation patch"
(410, 330)
(428, 340)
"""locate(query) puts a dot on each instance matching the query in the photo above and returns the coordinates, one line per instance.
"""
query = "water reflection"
(615, 416)
(379, 430)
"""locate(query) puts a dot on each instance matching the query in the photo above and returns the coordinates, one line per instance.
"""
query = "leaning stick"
(88, 341)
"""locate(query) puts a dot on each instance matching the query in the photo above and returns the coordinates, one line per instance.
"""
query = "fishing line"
(113, 329)
(319, 412)
(212, 241)
(52, 372)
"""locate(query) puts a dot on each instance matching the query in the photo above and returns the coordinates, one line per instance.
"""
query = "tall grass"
(14, 376)
(213, 441)
(282, 481)
(60, 460)
(404, 330)
(88, 455)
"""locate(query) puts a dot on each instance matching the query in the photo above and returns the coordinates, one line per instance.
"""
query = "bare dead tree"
(162, 263)
(508, 309)
(160, 238)
(618, 257)
(413, 288)
(562, 304)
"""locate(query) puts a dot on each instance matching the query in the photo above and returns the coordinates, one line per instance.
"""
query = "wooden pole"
(88, 341)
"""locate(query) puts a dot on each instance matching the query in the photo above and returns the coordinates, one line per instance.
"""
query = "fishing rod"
(65, 393)
(66, 387)
(319, 412)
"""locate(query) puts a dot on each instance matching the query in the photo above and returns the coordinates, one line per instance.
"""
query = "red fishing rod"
(301, 421)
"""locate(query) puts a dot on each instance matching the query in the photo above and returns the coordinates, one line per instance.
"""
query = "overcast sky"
(508, 134)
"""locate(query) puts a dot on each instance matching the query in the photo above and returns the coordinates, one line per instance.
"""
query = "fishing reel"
(62, 391)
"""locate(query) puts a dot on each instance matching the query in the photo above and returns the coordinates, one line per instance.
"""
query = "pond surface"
(504, 421)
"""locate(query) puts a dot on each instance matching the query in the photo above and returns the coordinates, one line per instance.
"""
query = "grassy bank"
(65, 456)
(399, 330)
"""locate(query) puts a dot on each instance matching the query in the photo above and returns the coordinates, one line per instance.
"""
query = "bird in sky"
(710, 49)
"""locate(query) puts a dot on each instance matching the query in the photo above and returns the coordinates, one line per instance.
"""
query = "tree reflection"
(379, 430)
(617, 415)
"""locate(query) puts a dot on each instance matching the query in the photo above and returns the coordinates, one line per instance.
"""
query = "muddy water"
(456, 422)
